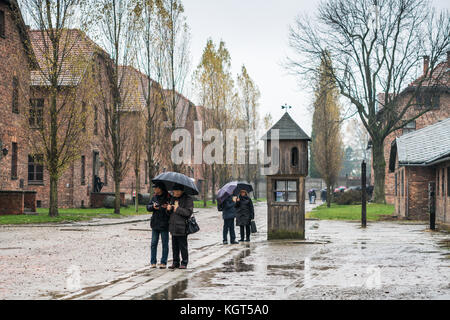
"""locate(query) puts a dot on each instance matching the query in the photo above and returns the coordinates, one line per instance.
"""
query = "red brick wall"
(11, 202)
(427, 119)
(14, 62)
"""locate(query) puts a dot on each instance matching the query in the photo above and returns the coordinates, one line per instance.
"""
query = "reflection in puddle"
(176, 291)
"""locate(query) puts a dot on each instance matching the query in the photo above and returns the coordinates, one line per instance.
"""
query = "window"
(95, 120)
(106, 123)
(15, 95)
(427, 99)
(409, 127)
(2, 24)
(35, 168)
(83, 170)
(36, 113)
(106, 176)
(294, 157)
(83, 110)
(14, 161)
(286, 191)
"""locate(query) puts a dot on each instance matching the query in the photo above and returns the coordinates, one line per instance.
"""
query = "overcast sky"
(256, 34)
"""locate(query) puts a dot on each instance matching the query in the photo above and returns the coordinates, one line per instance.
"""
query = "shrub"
(349, 197)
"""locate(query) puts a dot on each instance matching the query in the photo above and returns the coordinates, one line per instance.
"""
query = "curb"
(71, 224)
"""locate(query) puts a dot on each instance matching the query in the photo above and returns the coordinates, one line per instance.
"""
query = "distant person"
(313, 196)
(245, 213)
(228, 214)
(159, 224)
(310, 196)
(180, 209)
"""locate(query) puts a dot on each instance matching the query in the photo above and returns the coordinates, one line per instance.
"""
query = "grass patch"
(350, 212)
(71, 215)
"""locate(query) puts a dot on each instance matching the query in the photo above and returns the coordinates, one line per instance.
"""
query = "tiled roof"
(424, 146)
(77, 48)
(288, 130)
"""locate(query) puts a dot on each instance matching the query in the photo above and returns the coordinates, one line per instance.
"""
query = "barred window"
(2, 24)
(15, 95)
(36, 113)
(14, 161)
(83, 170)
(286, 191)
(35, 168)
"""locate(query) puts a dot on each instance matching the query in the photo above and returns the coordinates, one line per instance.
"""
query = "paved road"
(339, 260)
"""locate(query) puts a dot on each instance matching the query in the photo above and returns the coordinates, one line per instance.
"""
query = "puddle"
(174, 292)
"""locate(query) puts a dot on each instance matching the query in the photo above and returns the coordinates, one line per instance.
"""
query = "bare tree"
(375, 46)
(57, 128)
(113, 23)
(172, 57)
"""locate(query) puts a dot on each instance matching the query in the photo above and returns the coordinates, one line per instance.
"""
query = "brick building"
(24, 97)
(416, 160)
(16, 62)
(439, 112)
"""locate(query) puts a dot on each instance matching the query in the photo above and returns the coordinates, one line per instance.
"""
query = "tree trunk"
(329, 195)
(379, 168)
(117, 194)
(138, 190)
(53, 211)
(53, 161)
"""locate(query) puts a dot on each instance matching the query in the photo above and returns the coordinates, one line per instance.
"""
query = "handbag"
(192, 225)
(253, 227)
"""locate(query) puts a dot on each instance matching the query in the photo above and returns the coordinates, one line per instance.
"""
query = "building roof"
(288, 130)
(423, 147)
(75, 52)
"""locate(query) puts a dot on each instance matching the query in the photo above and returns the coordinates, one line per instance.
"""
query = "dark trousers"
(228, 225)
(247, 232)
(180, 245)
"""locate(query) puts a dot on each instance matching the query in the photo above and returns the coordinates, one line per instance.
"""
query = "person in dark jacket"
(180, 209)
(159, 223)
(228, 214)
(245, 213)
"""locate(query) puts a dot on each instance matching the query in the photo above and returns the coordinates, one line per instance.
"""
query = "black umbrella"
(169, 179)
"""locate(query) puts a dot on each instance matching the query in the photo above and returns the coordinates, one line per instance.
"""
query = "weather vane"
(286, 107)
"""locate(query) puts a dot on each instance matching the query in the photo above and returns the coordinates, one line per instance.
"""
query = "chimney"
(426, 64)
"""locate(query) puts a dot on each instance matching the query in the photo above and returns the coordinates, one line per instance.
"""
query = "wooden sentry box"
(286, 185)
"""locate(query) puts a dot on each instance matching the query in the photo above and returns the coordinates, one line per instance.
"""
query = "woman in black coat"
(245, 213)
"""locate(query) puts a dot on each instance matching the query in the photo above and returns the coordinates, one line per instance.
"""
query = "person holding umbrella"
(245, 213)
(180, 209)
(159, 224)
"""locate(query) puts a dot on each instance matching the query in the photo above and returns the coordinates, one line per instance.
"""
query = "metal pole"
(363, 195)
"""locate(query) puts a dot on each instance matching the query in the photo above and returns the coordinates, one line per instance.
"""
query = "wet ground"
(385, 261)
(339, 260)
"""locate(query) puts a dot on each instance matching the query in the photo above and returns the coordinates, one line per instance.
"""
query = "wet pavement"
(339, 260)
